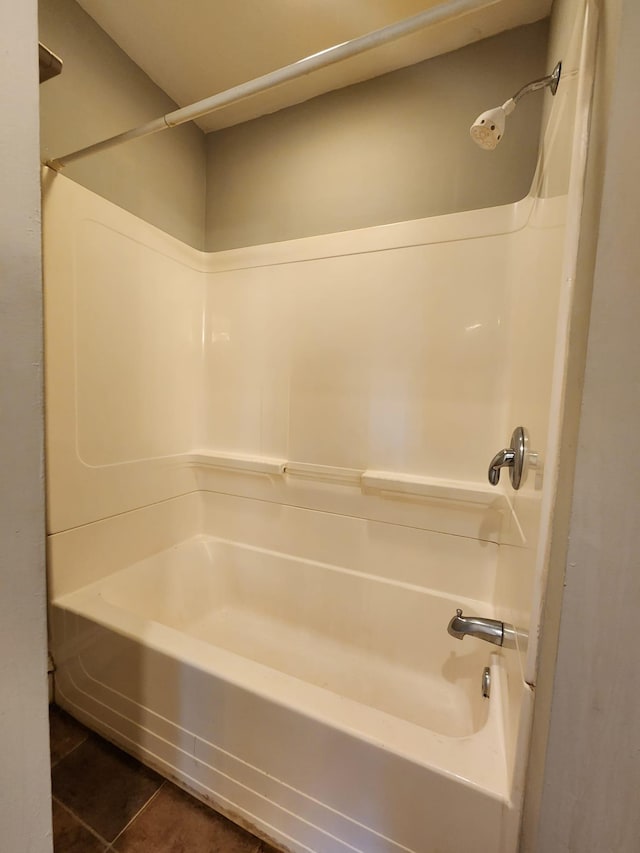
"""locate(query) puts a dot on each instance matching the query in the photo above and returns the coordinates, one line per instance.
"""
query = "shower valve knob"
(514, 458)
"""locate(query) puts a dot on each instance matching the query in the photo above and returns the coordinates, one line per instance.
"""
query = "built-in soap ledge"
(238, 462)
(383, 483)
(414, 485)
(325, 473)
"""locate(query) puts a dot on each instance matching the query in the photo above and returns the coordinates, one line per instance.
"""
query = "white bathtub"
(327, 710)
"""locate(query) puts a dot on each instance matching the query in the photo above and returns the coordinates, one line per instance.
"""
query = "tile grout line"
(138, 813)
(72, 750)
(81, 821)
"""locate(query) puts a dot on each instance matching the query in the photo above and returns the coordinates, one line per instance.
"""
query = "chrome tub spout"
(490, 630)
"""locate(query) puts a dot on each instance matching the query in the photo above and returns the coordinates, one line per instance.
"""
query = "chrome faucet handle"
(502, 459)
(513, 457)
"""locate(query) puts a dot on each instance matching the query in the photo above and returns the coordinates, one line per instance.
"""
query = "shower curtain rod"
(437, 14)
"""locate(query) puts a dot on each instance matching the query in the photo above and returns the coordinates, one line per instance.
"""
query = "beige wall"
(25, 806)
(387, 150)
(101, 92)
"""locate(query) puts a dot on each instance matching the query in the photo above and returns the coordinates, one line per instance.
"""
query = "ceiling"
(195, 48)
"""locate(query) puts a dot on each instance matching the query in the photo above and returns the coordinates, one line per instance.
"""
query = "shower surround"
(267, 498)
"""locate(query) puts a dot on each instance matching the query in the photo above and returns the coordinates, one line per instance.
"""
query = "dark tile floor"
(106, 801)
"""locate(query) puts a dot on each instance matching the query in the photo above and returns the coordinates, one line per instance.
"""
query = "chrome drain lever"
(486, 682)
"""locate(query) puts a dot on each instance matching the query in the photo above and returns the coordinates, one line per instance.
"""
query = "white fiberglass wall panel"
(534, 302)
(137, 345)
(124, 343)
(388, 351)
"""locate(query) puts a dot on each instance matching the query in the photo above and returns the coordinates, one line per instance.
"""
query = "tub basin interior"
(376, 642)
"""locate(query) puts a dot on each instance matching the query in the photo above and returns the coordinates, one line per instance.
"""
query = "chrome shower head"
(488, 129)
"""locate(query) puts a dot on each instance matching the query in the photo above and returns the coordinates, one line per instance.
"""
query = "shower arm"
(442, 12)
(551, 81)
